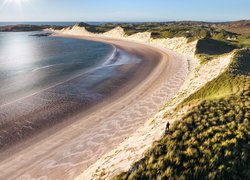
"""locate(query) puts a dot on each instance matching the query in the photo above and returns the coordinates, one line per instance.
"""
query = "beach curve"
(68, 151)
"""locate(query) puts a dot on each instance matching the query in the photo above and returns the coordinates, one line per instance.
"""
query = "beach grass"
(233, 81)
(211, 141)
(208, 49)
(242, 41)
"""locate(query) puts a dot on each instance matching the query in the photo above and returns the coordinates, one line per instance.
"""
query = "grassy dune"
(212, 140)
(213, 40)
(208, 49)
(233, 81)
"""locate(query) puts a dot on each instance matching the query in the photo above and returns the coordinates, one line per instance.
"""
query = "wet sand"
(64, 151)
(31, 114)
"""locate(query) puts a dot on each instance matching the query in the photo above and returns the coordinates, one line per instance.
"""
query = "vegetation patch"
(239, 27)
(210, 142)
(212, 42)
(233, 81)
(207, 49)
(241, 64)
(242, 41)
(96, 29)
(213, 47)
(225, 85)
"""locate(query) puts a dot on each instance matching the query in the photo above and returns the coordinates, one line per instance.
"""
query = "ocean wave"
(120, 57)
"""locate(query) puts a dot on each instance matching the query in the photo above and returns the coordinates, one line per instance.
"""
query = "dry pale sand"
(66, 150)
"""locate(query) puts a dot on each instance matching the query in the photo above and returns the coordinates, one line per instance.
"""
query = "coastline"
(50, 151)
(132, 149)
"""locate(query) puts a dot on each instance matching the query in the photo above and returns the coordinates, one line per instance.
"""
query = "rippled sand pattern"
(46, 108)
(65, 153)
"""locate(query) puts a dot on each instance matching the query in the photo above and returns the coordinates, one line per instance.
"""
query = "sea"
(29, 63)
(46, 80)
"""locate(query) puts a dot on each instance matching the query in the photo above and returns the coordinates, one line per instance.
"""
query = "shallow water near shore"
(135, 89)
(29, 64)
(46, 80)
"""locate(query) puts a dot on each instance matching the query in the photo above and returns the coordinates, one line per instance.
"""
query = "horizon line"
(130, 21)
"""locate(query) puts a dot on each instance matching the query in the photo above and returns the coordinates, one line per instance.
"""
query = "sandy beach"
(64, 151)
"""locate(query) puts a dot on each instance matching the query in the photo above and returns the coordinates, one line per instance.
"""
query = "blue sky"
(124, 10)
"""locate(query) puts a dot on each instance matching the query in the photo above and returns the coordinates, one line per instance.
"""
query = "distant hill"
(240, 27)
(235, 24)
(26, 27)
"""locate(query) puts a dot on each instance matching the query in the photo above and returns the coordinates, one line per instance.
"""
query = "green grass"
(164, 30)
(191, 33)
(210, 142)
(233, 81)
(208, 49)
(225, 85)
(213, 47)
(242, 41)
(212, 42)
(241, 63)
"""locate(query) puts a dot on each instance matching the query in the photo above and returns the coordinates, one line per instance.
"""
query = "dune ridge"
(178, 44)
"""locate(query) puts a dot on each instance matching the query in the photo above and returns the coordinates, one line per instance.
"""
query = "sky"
(124, 10)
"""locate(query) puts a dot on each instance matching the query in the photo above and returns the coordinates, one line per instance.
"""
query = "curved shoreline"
(114, 94)
(86, 71)
(62, 154)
